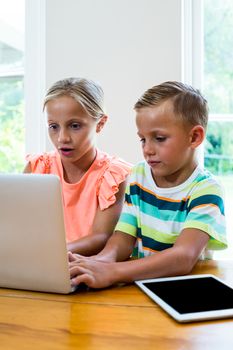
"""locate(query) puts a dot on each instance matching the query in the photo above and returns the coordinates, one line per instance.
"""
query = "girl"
(93, 182)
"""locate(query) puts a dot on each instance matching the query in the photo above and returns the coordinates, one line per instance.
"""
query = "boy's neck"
(176, 178)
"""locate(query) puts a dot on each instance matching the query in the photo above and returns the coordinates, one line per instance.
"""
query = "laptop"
(33, 253)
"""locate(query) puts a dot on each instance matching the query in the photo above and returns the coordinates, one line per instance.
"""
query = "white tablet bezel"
(188, 317)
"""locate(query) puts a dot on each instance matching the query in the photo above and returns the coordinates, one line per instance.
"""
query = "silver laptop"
(33, 254)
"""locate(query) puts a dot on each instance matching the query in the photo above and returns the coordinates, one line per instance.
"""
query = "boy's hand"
(95, 274)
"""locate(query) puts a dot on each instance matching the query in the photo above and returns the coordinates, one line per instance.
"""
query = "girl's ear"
(197, 136)
(101, 123)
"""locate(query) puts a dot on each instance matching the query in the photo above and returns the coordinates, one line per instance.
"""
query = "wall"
(126, 45)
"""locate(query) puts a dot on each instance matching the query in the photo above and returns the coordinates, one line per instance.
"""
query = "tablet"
(192, 297)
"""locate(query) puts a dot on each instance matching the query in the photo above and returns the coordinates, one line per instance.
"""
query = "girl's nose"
(63, 136)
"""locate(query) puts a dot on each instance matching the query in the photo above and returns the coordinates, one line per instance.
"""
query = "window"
(207, 65)
(11, 86)
(218, 89)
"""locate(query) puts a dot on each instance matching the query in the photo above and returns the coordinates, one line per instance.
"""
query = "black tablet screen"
(194, 295)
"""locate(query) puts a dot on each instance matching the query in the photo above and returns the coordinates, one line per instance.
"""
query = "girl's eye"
(142, 140)
(53, 127)
(75, 126)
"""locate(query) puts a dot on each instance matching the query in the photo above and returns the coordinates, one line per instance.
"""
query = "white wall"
(126, 45)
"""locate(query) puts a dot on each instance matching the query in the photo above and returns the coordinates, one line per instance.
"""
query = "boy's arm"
(178, 260)
(118, 248)
(103, 227)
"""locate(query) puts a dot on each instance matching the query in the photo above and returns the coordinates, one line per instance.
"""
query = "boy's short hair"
(187, 101)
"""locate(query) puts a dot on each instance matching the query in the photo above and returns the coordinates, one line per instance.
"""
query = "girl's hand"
(95, 274)
(78, 258)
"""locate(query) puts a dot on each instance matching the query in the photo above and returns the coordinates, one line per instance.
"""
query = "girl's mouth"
(65, 151)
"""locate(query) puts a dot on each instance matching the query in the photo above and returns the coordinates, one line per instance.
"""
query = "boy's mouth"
(153, 162)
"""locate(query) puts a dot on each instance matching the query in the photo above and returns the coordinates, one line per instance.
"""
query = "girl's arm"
(27, 169)
(103, 227)
(178, 260)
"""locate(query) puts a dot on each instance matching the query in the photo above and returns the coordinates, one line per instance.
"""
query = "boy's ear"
(197, 136)
(101, 123)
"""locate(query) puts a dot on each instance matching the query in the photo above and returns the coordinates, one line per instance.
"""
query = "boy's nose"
(149, 148)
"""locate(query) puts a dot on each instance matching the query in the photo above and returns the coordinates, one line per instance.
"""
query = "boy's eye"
(142, 140)
(160, 138)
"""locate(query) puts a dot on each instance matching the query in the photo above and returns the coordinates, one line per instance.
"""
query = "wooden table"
(121, 318)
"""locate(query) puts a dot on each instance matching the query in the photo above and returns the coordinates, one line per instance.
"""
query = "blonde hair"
(86, 92)
(187, 101)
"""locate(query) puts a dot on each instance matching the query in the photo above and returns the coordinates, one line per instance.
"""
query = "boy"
(173, 208)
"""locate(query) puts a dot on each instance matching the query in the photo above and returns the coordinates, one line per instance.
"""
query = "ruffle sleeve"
(115, 172)
(40, 164)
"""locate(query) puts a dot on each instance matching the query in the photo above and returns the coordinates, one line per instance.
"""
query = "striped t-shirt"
(156, 216)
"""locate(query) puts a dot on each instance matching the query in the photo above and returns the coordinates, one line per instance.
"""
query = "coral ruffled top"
(96, 189)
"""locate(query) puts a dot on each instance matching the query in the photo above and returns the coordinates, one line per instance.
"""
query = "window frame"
(192, 49)
(193, 69)
(34, 79)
